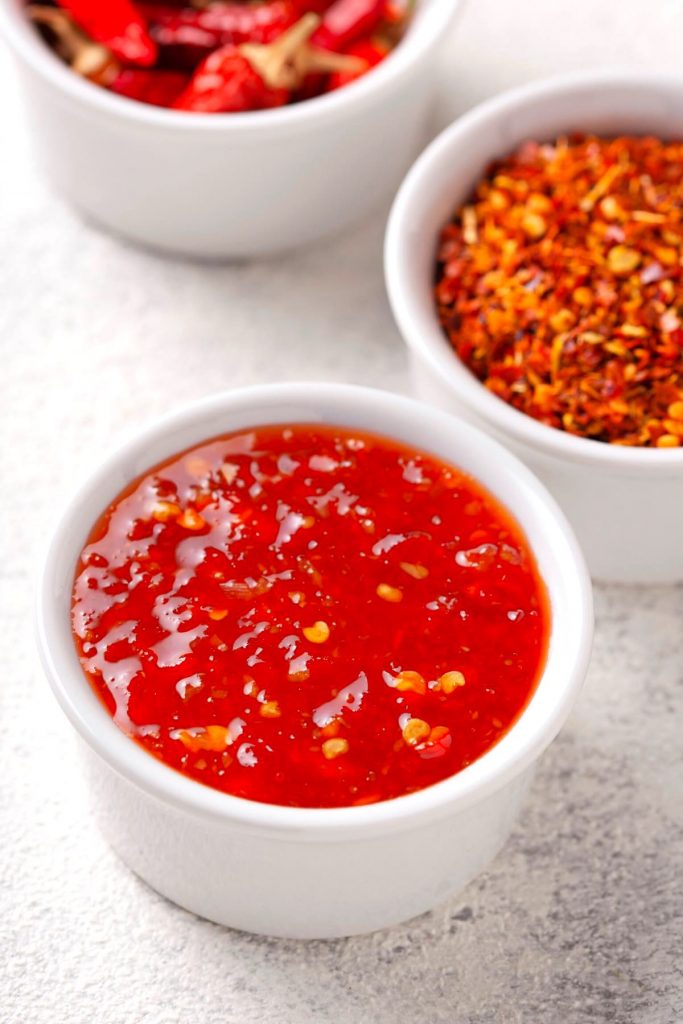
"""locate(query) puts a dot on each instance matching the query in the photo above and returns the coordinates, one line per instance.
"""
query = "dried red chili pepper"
(561, 286)
(316, 6)
(159, 88)
(370, 51)
(293, 60)
(394, 13)
(174, 36)
(185, 36)
(346, 21)
(89, 59)
(226, 82)
(116, 24)
(254, 76)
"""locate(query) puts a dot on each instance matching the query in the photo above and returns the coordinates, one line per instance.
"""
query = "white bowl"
(229, 185)
(625, 504)
(298, 871)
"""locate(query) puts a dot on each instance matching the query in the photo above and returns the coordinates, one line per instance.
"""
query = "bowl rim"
(417, 320)
(521, 745)
(434, 21)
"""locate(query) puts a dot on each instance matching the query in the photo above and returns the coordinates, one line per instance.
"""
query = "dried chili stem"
(87, 58)
(285, 63)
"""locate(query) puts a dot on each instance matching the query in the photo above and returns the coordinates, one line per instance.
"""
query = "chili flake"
(567, 301)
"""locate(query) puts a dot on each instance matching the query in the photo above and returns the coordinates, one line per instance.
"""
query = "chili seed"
(411, 682)
(418, 572)
(318, 633)
(191, 520)
(583, 296)
(539, 203)
(389, 593)
(271, 709)
(214, 737)
(335, 747)
(534, 225)
(415, 731)
(165, 510)
(562, 320)
(451, 681)
(610, 208)
(622, 260)
(498, 200)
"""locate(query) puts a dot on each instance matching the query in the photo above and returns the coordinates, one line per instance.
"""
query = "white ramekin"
(305, 872)
(626, 504)
(228, 185)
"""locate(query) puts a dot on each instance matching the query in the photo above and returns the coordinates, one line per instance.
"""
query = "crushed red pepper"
(310, 616)
(560, 286)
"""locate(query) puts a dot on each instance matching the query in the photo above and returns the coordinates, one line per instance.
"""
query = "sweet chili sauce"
(310, 616)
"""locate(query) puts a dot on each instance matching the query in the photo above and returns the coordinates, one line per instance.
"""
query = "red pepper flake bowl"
(625, 502)
(315, 871)
(228, 185)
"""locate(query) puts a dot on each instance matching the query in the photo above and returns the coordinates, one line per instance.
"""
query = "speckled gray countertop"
(580, 918)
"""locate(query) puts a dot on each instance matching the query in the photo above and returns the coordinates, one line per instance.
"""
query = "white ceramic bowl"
(307, 872)
(229, 185)
(626, 504)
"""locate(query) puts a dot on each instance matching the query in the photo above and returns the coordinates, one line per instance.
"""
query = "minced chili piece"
(559, 285)
(308, 616)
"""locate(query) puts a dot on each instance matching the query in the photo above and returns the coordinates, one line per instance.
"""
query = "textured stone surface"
(579, 919)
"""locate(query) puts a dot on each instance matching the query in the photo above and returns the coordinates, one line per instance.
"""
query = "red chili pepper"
(316, 6)
(313, 85)
(346, 21)
(371, 51)
(181, 41)
(117, 24)
(247, 56)
(83, 55)
(395, 13)
(227, 82)
(253, 75)
(242, 23)
(160, 88)
(185, 35)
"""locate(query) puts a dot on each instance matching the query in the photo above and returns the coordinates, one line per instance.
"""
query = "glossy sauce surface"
(310, 616)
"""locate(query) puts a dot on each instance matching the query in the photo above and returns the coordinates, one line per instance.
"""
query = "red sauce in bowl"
(310, 616)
